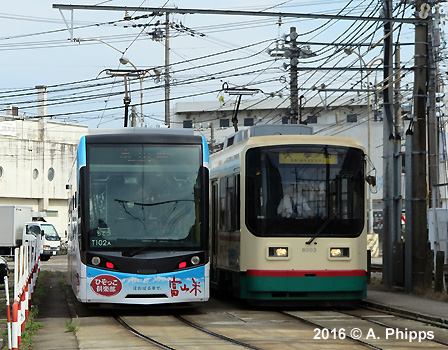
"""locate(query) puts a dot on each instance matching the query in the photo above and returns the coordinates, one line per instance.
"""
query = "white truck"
(12, 225)
(50, 239)
(17, 227)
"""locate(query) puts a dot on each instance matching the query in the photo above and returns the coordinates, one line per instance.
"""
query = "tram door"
(214, 229)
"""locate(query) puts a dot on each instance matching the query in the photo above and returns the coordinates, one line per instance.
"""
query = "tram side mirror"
(4, 270)
(371, 180)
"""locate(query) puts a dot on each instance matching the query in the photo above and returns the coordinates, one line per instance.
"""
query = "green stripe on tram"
(306, 288)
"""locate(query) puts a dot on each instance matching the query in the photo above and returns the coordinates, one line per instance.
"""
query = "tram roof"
(268, 130)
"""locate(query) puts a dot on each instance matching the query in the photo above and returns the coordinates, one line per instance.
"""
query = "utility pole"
(167, 69)
(421, 276)
(389, 154)
(397, 211)
(133, 116)
(293, 52)
(397, 97)
(433, 140)
(294, 96)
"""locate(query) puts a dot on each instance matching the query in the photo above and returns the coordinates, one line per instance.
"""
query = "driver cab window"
(33, 230)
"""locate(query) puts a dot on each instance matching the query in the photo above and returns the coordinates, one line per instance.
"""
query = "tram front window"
(295, 190)
(144, 196)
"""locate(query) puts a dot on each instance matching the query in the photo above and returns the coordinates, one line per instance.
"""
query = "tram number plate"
(309, 250)
(100, 243)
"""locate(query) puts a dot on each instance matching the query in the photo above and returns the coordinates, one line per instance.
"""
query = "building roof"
(269, 103)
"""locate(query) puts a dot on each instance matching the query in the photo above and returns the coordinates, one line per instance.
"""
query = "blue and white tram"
(138, 223)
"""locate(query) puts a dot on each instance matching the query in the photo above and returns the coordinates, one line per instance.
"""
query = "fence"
(26, 272)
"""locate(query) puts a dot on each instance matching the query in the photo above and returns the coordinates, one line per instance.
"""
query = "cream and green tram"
(258, 252)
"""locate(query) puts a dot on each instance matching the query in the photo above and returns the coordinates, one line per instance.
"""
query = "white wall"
(30, 147)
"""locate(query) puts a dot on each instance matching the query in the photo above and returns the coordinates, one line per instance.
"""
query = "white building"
(35, 160)
(337, 115)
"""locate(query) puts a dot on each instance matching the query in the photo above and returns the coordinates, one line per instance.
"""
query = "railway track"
(188, 323)
(140, 335)
(392, 325)
(213, 326)
(237, 328)
(373, 329)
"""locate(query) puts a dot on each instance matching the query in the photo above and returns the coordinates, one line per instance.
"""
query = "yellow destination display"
(307, 158)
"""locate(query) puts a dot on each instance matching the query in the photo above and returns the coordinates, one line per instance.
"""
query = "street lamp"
(123, 60)
(370, 201)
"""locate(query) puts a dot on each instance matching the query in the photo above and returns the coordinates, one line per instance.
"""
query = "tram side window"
(222, 202)
(237, 205)
(229, 219)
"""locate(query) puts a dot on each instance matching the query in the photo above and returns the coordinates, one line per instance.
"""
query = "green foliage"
(31, 328)
(71, 326)
(39, 291)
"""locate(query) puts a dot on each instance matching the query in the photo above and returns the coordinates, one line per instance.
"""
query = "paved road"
(56, 263)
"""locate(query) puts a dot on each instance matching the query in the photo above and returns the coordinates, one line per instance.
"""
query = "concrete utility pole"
(433, 140)
(293, 52)
(397, 89)
(133, 116)
(42, 110)
(421, 272)
(167, 69)
(392, 167)
(294, 95)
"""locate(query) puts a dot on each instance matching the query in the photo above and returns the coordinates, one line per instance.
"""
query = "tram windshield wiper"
(153, 204)
(330, 218)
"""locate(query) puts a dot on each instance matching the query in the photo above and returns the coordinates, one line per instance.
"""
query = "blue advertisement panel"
(113, 287)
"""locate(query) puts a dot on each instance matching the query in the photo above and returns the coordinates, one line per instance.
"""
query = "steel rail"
(308, 322)
(432, 320)
(140, 335)
(385, 325)
(217, 335)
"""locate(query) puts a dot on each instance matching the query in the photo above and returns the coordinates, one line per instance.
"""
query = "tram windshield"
(143, 196)
(299, 190)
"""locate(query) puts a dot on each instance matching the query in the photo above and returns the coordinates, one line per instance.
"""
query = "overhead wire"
(253, 78)
(97, 84)
(338, 53)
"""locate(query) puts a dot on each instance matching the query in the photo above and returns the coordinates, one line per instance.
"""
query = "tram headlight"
(195, 260)
(96, 260)
(339, 252)
(278, 252)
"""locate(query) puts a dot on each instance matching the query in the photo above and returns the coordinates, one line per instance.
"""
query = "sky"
(206, 51)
